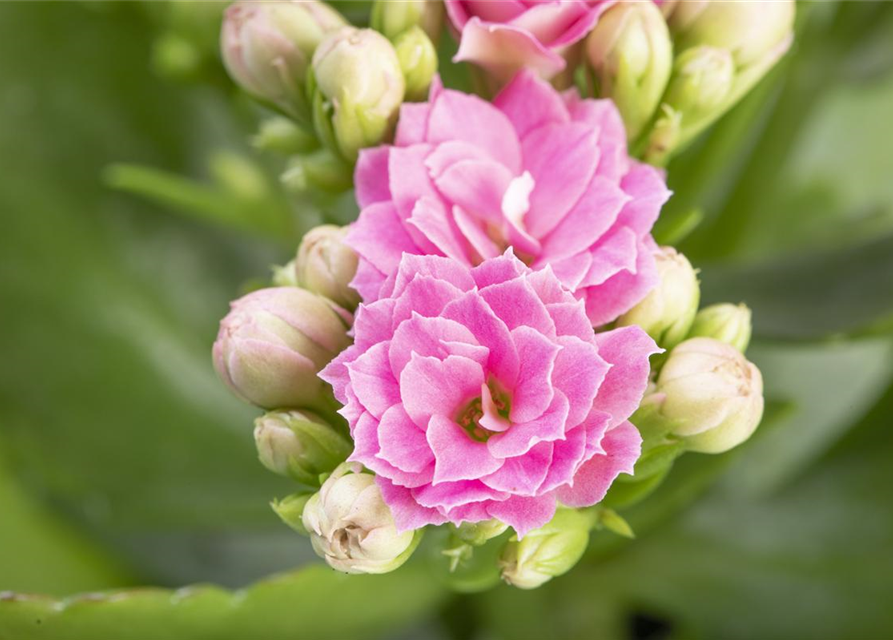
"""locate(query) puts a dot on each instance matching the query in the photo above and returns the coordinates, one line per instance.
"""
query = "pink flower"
(545, 173)
(484, 393)
(502, 36)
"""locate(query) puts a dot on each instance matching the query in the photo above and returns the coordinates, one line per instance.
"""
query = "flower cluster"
(497, 345)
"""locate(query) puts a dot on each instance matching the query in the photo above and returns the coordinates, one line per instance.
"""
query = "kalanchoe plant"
(501, 376)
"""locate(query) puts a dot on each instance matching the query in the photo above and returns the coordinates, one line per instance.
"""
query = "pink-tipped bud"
(273, 343)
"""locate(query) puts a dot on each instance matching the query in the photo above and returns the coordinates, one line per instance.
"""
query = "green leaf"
(314, 602)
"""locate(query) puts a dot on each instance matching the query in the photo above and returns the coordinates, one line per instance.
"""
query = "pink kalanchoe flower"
(545, 173)
(485, 393)
(503, 36)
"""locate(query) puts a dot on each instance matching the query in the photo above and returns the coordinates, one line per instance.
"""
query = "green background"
(124, 462)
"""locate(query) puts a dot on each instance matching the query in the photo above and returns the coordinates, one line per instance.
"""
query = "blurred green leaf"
(109, 407)
(315, 603)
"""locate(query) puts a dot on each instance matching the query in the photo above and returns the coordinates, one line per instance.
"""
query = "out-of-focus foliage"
(125, 461)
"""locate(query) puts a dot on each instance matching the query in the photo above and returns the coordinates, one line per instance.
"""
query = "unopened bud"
(273, 343)
(326, 265)
(281, 135)
(291, 509)
(418, 61)
(392, 18)
(299, 444)
(667, 312)
(549, 551)
(322, 170)
(631, 54)
(729, 323)
(702, 80)
(747, 29)
(477, 533)
(358, 89)
(712, 395)
(267, 48)
(352, 528)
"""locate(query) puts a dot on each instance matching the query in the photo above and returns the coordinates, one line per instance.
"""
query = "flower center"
(487, 414)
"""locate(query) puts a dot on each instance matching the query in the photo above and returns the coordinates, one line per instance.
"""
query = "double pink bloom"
(492, 238)
(502, 36)
(545, 173)
(484, 393)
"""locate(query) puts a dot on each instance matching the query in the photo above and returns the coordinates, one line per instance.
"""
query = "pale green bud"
(322, 170)
(358, 88)
(285, 276)
(326, 265)
(290, 510)
(712, 395)
(299, 445)
(267, 48)
(283, 136)
(477, 533)
(747, 29)
(393, 17)
(631, 54)
(549, 551)
(667, 312)
(418, 61)
(702, 80)
(352, 528)
(729, 323)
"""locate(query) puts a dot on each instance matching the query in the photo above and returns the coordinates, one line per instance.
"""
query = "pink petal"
(606, 301)
(562, 159)
(505, 267)
(567, 455)
(524, 474)
(530, 102)
(402, 443)
(502, 50)
(516, 303)
(627, 350)
(548, 427)
(430, 337)
(648, 193)
(548, 21)
(432, 220)
(432, 387)
(371, 176)
(372, 381)
(623, 446)
(374, 323)
(409, 182)
(456, 455)
(570, 271)
(472, 312)
(472, 229)
(437, 267)
(425, 296)
(524, 514)
(533, 391)
(412, 127)
(379, 237)
(408, 514)
(501, 11)
(367, 281)
(614, 253)
(477, 186)
(461, 116)
(448, 495)
(570, 319)
(335, 373)
(578, 373)
(587, 221)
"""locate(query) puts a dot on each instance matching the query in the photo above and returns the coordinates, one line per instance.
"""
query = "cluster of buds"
(675, 68)
(342, 85)
(705, 395)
